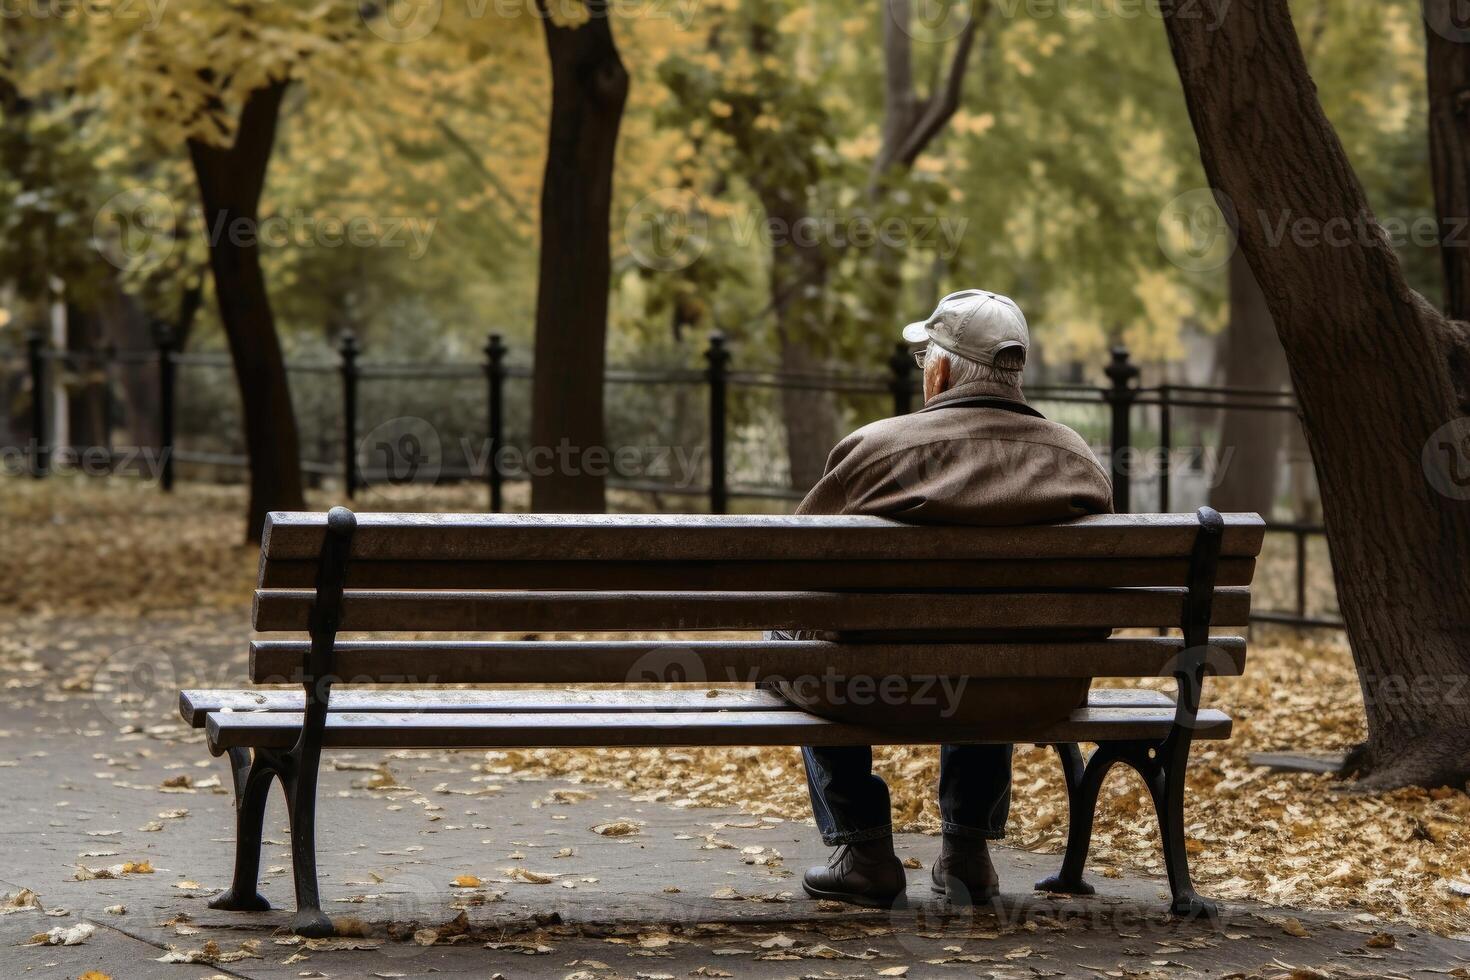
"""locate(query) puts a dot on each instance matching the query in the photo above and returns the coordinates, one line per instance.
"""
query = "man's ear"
(941, 374)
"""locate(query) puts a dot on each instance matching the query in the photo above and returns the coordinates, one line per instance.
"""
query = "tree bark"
(124, 326)
(191, 300)
(1252, 439)
(1378, 371)
(230, 182)
(911, 123)
(801, 268)
(87, 389)
(799, 272)
(589, 87)
(1448, 84)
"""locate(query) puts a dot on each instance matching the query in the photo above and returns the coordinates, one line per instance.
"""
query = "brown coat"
(951, 463)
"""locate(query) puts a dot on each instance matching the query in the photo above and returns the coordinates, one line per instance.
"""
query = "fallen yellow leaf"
(1294, 927)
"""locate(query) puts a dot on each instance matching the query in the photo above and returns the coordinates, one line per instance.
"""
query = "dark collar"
(976, 389)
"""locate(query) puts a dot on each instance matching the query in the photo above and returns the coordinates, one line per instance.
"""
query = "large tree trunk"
(230, 181)
(588, 89)
(1379, 373)
(1252, 439)
(1448, 81)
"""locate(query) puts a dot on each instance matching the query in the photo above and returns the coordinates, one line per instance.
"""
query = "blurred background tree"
(1032, 149)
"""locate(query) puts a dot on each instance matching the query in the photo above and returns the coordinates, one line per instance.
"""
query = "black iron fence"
(1148, 461)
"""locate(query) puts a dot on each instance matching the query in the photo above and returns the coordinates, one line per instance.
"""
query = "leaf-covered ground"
(93, 547)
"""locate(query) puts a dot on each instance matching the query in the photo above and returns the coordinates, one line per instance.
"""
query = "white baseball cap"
(975, 324)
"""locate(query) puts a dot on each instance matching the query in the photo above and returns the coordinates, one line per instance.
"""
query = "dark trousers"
(850, 801)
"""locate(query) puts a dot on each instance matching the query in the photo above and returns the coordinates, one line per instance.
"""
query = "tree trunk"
(808, 415)
(589, 87)
(910, 125)
(87, 391)
(798, 282)
(191, 300)
(1252, 439)
(1448, 83)
(1381, 376)
(230, 181)
(124, 326)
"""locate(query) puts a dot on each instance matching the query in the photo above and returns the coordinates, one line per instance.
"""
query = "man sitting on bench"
(975, 454)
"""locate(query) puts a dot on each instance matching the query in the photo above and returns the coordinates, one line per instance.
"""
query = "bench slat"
(271, 729)
(289, 609)
(704, 661)
(696, 537)
(1091, 573)
(195, 706)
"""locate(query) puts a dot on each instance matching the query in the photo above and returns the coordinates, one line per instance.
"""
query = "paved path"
(96, 779)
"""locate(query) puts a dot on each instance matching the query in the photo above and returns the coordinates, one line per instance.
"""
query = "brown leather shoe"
(866, 873)
(963, 873)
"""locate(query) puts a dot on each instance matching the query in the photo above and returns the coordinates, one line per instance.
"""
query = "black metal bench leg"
(310, 921)
(1166, 786)
(299, 767)
(1083, 785)
(252, 790)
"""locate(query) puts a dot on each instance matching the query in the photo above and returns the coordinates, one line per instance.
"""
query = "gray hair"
(962, 370)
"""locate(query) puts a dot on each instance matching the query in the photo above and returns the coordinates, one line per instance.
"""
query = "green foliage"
(1070, 141)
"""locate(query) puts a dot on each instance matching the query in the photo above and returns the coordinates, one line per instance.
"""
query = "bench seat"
(195, 706)
(509, 719)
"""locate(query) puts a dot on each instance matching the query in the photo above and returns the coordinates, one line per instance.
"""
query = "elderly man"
(975, 454)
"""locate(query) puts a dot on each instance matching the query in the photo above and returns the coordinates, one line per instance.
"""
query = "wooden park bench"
(463, 573)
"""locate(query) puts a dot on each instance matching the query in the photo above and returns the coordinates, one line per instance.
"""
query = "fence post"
(106, 356)
(36, 355)
(163, 337)
(719, 360)
(1166, 447)
(902, 385)
(348, 348)
(495, 375)
(1122, 373)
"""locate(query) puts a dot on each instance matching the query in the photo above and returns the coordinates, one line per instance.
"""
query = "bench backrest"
(1060, 584)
